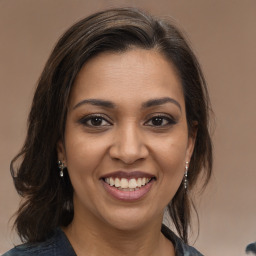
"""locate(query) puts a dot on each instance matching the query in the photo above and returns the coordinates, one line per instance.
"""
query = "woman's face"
(126, 139)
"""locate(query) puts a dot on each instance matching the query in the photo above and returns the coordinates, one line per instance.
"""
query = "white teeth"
(139, 182)
(111, 182)
(124, 183)
(117, 183)
(127, 185)
(132, 183)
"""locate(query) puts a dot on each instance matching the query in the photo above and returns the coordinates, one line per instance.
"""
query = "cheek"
(170, 156)
(82, 150)
(83, 160)
(171, 151)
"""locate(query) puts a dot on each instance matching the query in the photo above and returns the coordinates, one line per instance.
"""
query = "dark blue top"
(58, 245)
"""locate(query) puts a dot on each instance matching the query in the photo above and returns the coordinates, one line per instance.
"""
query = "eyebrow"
(147, 104)
(160, 101)
(96, 102)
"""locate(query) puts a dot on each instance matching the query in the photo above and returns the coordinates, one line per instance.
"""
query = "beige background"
(223, 34)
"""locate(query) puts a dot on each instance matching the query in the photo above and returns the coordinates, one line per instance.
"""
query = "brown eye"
(157, 121)
(160, 121)
(94, 121)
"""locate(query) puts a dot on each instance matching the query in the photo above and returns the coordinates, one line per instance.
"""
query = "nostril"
(128, 149)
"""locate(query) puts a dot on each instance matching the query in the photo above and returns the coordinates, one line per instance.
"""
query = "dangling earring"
(186, 176)
(61, 167)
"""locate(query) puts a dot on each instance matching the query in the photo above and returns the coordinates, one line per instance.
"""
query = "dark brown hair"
(48, 199)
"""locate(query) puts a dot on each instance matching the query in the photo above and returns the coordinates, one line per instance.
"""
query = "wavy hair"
(48, 199)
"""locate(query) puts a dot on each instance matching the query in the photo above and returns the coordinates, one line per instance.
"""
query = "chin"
(131, 219)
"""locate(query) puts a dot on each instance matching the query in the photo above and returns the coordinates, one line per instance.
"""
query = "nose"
(128, 145)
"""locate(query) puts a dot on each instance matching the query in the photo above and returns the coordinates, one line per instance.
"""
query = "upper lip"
(128, 175)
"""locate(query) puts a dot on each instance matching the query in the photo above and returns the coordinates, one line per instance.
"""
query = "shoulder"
(57, 244)
(41, 249)
(181, 248)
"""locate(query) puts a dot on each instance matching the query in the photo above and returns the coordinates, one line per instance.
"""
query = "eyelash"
(170, 120)
(84, 121)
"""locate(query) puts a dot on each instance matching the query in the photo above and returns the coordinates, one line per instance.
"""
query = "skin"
(127, 137)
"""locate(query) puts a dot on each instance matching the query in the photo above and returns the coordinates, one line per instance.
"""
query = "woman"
(118, 132)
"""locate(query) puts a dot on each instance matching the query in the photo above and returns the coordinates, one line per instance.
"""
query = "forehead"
(136, 75)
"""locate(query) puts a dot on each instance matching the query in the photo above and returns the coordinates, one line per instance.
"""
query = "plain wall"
(223, 35)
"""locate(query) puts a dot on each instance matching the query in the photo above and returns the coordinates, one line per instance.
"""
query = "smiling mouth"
(128, 186)
(125, 184)
(128, 181)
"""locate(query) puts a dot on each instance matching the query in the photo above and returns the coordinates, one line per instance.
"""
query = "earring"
(186, 176)
(61, 167)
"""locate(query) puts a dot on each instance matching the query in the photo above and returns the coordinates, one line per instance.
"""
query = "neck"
(90, 238)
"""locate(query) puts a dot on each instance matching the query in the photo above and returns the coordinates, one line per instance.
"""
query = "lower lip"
(128, 195)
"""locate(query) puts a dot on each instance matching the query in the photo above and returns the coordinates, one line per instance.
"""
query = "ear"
(191, 141)
(61, 151)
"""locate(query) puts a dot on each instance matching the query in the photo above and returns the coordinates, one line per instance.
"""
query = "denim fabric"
(181, 249)
(58, 245)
